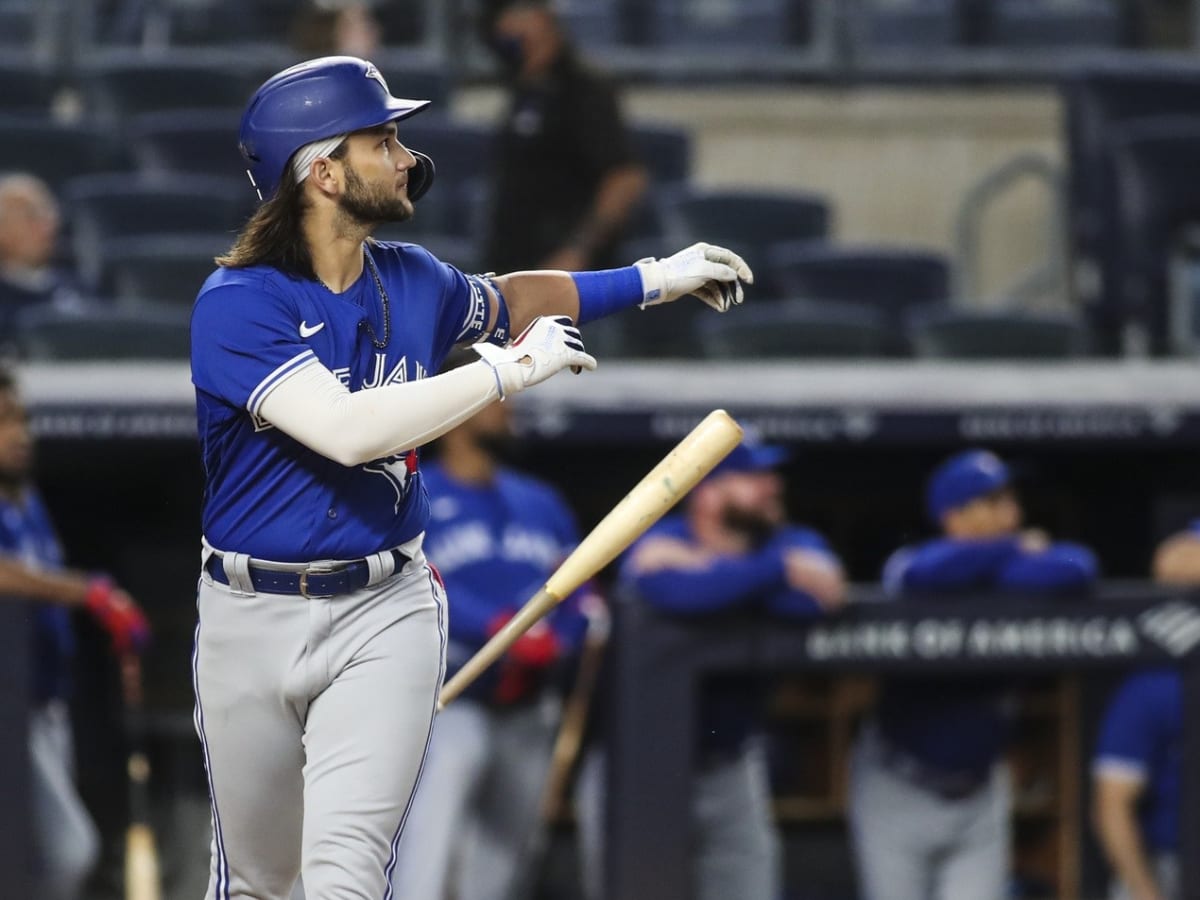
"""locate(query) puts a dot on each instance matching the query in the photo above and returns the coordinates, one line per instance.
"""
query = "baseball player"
(497, 535)
(730, 549)
(1136, 773)
(322, 629)
(929, 793)
(65, 840)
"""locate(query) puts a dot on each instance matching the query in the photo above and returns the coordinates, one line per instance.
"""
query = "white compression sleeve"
(353, 428)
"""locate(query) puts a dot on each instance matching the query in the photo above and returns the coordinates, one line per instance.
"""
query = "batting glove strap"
(712, 273)
(548, 345)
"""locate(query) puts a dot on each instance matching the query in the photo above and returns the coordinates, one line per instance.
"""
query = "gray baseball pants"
(67, 844)
(736, 846)
(314, 716)
(911, 844)
(478, 800)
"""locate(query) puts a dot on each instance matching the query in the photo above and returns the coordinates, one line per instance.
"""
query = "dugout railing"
(658, 663)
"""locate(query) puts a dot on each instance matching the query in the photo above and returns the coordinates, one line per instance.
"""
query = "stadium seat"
(102, 333)
(721, 23)
(25, 89)
(891, 279)
(593, 23)
(797, 330)
(1042, 24)
(103, 209)
(666, 153)
(199, 142)
(1157, 196)
(159, 268)
(904, 25)
(747, 221)
(959, 334)
(116, 89)
(55, 152)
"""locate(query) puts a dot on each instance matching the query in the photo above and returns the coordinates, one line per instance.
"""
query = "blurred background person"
(496, 535)
(66, 842)
(336, 27)
(1136, 775)
(1136, 766)
(731, 549)
(29, 232)
(566, 177)
(930, 794)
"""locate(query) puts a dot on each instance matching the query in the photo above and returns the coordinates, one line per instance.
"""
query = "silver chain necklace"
(383, 296)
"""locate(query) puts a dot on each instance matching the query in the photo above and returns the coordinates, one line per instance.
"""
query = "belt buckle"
(310, 570)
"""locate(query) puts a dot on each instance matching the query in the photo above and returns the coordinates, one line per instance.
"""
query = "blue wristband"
(606, 292)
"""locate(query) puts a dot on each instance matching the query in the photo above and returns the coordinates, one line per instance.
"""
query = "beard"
(504, 446)
(755, 525)
(368, 206)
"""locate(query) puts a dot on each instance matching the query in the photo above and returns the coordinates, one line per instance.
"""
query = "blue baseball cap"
(750, 456)
(962, 478)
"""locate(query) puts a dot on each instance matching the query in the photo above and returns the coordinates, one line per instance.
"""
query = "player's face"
(752, 502)
(16, 444)
(991, 516)
(376, 169)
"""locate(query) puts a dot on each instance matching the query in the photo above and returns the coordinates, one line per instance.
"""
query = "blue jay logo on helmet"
(314, 101)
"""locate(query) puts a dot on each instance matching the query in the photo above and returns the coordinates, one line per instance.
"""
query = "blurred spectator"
(65, 840)
(930, 795)
(730, 550)
(1136, 769)
(29, 229)
(336, 27)
(567, 178)
(496, 535)
(1136, 773)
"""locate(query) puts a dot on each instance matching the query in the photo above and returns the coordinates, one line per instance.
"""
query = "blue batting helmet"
(315, 100)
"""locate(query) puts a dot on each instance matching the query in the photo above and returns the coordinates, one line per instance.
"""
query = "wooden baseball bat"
(666, 484)
(142, 878)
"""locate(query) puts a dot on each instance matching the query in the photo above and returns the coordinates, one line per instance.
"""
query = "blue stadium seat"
(593, 23)
(796, 329)
(665, 151)
(1158, 195)
(55, 152)
(1043, 24)
(199, 142)
(104, 333)
(905, 25)
(890, 279)
(160, 268)
(25, 89)
(116, 89)
(722, 23)
(747, 221)
(103, 209)
(960, 334)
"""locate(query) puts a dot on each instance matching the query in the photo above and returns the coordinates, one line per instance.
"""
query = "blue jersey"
(268, 495)
(495, 545)
(733, 705)
(962, 726)
(1142, 738)
(27, 535)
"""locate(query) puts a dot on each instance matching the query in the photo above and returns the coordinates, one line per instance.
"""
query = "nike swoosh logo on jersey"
(306, 332)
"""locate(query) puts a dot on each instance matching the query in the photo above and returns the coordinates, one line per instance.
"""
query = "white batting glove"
(712, 273)
(548, 345)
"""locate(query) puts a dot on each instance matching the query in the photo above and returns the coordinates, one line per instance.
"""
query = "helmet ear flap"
(420, 176)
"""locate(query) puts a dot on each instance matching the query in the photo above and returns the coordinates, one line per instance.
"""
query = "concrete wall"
(895, 162)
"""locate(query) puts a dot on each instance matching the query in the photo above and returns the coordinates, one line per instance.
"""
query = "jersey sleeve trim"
(268, 384)
(1120, 768)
